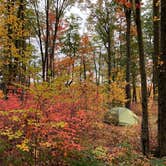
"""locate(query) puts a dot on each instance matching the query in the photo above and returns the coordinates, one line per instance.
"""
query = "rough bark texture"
(39, 34)
(156, 45)
(84, 68)
(162, 83)
(21, 43)
(128, 57)
(145, 130)
(109, 59)
(47, 40)
(134, 96)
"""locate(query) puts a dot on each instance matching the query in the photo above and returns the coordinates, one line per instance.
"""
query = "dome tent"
(121, 116)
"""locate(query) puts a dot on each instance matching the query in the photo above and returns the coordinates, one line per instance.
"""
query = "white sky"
(83, 14)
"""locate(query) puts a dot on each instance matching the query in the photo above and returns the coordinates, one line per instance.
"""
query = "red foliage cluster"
(52, 127)
(12, 103)
(126, 3)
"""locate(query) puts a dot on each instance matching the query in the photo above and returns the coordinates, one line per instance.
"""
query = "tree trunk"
(95, 67)
(47, 59)
(162, 83)
(109, 59)
(134, 97)
(145, 129)
(128, 57)
(84, 68)
(39, 34)
(21, 43)
(156, 45)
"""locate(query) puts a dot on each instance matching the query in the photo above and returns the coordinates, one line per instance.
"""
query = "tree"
(151, 43)
(103, 16)
(71, 40)
(128, 54)
(134, 67)
(15, 50)
(49, 20)
(162, 83)
(85, 52)
(98, 59)
(155, 44)
(145, 129)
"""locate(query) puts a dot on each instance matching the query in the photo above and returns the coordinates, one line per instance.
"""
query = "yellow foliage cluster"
(117, 95)
(1, 94)
(12, 28)
(12, 135)
(24, 145)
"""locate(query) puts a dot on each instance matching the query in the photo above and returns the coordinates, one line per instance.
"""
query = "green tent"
(121, 116)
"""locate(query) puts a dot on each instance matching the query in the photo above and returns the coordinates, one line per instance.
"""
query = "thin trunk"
(145, 128)
(80, 72)
(53, 48)
(95, 68)
(39, 34)
(47, 41)
(109, 75)
(73, 68)
(58, 14)
(84, 68)
(99, 62)
(109, 60)
(60, 7)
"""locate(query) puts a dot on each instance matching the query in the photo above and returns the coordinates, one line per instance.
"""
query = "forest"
(82, 82)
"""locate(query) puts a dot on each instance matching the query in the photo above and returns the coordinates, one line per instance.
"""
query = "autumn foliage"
(60, 74)
(48, 124)
(39, 127)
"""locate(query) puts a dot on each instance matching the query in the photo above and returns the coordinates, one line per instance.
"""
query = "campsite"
(82, 83)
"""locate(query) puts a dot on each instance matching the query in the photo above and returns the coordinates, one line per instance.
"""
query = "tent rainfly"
(121, 116)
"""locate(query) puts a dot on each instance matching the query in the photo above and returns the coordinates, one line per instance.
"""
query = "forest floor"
(121, 145)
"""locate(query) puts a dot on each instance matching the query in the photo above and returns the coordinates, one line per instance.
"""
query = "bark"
(95, 68)
(59, 10)
(22, 48)
(21, 43)
(47, 54)
(128, 57)
(39, 34)
(84, 68)
(145, 129)
(156, 45)
(99, 62)
(134, 97)
(109, 60)
(47, 40)
(162, 83)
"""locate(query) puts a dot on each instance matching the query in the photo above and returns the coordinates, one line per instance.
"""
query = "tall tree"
(128, 54)
(97, 57)
(85, 51)
(14, 47)
(71, 40)
(145, 129)
(162, 83)
(103, 17)
(52, 16)
(155, 44)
